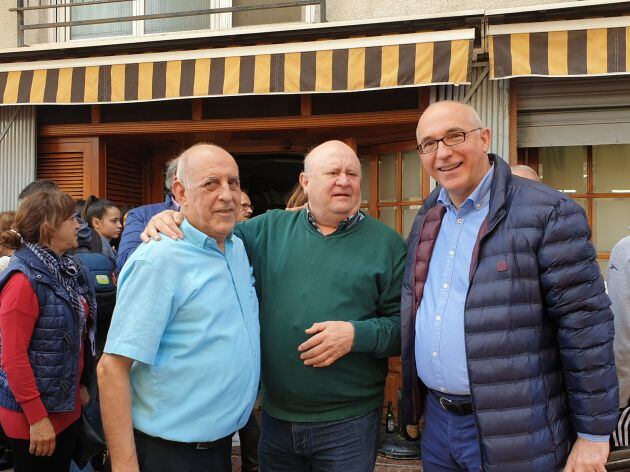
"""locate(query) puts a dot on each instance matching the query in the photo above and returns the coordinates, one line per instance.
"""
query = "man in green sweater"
(328, 278)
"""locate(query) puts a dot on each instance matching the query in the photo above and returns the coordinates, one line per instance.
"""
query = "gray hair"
(171, 171)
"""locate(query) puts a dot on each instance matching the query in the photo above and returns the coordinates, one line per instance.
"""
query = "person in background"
(43, 185)
(619, 293)
(525, 171)
(7, 219)
(44, 372)
(103, 216)
(297, 198)
(138, 218)
(247, 209)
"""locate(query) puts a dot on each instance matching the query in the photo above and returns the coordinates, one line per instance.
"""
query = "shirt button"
(435, 354)
(478, 205)
(459, 221)
(438, 317)
(451, 253)
(445, 286)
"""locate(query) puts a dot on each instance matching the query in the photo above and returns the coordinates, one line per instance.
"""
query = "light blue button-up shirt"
(440, 349)
(188, 315)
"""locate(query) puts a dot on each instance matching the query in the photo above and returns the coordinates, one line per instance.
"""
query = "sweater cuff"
(364, 337)
(594, 437)
(34, 410)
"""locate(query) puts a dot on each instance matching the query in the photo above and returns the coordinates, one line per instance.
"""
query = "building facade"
(100, 97)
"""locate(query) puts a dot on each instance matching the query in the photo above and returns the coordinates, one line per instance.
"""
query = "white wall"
(8, 24)
(338, 10)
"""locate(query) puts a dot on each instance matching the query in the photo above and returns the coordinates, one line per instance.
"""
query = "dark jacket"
(538, 328)
(137, 220)
(56, 340)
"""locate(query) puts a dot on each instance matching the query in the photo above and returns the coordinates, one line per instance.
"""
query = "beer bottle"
(390, 426)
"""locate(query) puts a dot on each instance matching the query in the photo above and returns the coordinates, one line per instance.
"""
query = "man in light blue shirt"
(181, 364)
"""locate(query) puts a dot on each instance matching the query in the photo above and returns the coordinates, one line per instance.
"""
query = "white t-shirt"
(4, 262)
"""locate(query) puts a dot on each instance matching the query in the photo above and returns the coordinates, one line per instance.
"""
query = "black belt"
(194, 445)
(459, 407)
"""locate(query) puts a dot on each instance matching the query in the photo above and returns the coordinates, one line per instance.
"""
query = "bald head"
(526, 172)
(325, 151)
(208, 190)
(198, 154)
(467, 114)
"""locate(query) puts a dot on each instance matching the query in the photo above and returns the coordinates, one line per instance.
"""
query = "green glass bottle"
(390, 425)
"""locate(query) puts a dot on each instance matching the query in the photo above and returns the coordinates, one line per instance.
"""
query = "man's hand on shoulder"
(166, 222)
(588, 456)
(329, 341)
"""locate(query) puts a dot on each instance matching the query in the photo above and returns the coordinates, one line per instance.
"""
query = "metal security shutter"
(125, 176)
(572, 112)
(62, 162)
(18, 132)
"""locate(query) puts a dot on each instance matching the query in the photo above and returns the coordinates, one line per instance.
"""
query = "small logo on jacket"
(502, 266)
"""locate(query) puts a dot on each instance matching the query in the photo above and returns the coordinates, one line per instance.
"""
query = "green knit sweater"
(303, 277)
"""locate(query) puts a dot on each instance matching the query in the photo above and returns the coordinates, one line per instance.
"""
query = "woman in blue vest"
(47, 311)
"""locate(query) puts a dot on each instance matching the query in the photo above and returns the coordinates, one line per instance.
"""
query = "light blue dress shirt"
(440, 345)
(440, 349)
(188, 316)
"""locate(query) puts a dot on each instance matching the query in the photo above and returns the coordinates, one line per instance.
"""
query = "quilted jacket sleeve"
(575, 298)
(130, 239)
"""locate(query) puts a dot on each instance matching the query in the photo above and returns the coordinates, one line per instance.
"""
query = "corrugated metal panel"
(491, 99)
(18, 152)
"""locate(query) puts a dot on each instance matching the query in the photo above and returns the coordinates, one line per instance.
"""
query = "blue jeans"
(333, 446)
(449, 441)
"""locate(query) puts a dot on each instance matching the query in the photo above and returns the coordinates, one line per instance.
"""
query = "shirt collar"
(342, 226)
(479, 198)
(199, 238)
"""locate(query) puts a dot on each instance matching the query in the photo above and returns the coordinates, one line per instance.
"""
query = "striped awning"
(572, 48)
(321, 66)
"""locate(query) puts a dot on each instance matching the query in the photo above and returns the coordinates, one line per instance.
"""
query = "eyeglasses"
(451, 139)
(247, 206)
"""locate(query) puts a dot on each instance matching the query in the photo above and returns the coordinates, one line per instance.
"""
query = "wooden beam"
(95, 111)
(197, 109)
(348, 120)
(306, 105)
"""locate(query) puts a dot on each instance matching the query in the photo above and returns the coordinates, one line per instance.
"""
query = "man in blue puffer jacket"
(507, 332)
(138, 218)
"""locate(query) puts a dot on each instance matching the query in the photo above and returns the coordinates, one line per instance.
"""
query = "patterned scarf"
(66, 270)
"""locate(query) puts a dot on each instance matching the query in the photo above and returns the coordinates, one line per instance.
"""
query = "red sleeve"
(19, 311)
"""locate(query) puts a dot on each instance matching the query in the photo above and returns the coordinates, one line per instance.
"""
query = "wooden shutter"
(125, 176)
(70, 164)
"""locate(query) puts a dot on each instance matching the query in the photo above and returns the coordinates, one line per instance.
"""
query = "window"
(597, 178)
(393, 184)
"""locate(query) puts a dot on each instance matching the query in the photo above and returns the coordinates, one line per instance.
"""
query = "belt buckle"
(202, 446)
(444, 402)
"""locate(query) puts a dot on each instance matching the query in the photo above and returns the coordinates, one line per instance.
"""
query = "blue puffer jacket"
(538, 328)
(137, 220)
(55, 344)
